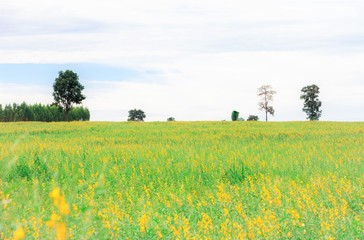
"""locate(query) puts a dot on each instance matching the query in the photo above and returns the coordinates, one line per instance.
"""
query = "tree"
(136, 115)
(234, 115)
(7, 113)
(171, 119)
(311, 104)
(266, 94)
(1, 113)
(39, 112)
(67, 91)
(252, 118)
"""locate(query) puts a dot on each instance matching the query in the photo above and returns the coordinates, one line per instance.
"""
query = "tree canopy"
(234, 115)
(311, 102)
(136, 115)
(171, 119)
(67, 91)
(252, 118)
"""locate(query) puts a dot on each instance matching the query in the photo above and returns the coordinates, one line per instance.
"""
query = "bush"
(253, 118)
(171, 119)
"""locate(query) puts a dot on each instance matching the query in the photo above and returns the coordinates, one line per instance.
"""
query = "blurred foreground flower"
(56, 220)
(19, 234)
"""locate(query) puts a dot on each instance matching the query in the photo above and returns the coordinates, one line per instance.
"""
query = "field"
(186, 180)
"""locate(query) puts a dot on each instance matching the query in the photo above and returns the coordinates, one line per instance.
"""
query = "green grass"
(184, 179)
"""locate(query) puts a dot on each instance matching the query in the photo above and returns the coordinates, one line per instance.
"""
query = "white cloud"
(17, 93)
(211, 55)
(213, 89)
(138, 31)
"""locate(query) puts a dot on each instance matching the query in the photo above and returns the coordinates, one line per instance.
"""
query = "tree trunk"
(266, 115)
(66, 116)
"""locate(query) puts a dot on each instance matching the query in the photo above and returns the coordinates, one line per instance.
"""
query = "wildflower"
(143, 222)
(266, 196)
(64, 208)
(60, 201)
(61, 231)
(54, 219)
(19, 234)
(222, 195)
(226, 212)
(205, 223)
(55, 195)
(186, 227)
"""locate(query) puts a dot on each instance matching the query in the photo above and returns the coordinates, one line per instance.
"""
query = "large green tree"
(67, 91)
(136, 115)
(311, 104)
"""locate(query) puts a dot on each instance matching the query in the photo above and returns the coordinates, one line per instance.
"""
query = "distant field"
(187, 180)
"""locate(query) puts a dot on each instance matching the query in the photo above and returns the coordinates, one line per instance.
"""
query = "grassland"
(217, 180)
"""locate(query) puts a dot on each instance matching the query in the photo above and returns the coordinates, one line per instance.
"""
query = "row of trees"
(39, 112)
(309, 94)
(67, 92)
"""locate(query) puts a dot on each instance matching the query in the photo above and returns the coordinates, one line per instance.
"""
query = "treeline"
(39, 112)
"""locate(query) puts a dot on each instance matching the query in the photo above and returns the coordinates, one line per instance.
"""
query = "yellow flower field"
(182, 180)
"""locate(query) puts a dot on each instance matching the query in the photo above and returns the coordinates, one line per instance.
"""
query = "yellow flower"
(55, 194)
(64, 208)
(143, 221)
(60, 201)
(54, 218)
(19, 234)
(61, 231)
(205, 224)
(226, 212)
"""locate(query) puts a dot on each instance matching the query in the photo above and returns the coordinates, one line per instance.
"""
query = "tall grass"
(182, 180)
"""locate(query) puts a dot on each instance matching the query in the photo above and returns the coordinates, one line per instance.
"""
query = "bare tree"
(265, 93)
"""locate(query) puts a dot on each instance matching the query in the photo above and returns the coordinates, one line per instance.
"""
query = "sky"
(191, 60)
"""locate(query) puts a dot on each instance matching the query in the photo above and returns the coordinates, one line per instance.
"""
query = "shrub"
(171, 119)
(253, 118)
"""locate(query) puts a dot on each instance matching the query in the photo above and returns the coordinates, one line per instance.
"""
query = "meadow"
(182, 180)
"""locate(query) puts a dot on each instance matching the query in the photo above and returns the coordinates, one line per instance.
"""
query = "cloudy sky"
(193, 60)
